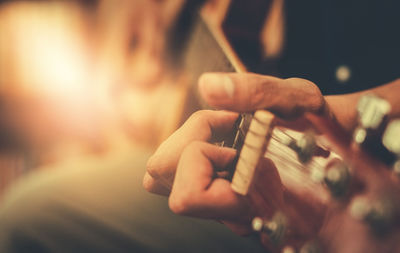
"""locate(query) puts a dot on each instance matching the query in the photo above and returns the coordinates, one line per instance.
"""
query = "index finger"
(199, 127)
(198, 192)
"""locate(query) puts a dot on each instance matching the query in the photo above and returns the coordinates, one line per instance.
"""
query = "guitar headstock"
(345, 200)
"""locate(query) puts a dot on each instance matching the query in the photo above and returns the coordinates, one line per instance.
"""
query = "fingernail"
(217, 85)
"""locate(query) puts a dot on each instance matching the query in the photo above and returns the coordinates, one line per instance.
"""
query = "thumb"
(245, 92)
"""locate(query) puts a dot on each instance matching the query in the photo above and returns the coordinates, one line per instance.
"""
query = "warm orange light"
(46, 48)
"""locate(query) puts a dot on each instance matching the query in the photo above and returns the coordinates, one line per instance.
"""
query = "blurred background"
(91, 80)
(83, 78)
(97, 78)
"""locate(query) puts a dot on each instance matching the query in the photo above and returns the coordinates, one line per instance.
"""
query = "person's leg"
(101, 207)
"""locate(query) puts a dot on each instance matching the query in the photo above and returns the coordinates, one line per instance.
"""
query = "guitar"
(354, 193)
(343, 201)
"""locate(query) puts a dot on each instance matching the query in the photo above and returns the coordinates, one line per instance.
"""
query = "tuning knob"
(391, 137)
(379, 215)
(304, 147)
(275, 228)
(391, 141)
(372, 112)
(310, 247)
(337, 178)
(288, 249)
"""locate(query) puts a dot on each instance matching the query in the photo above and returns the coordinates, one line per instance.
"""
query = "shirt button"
(343, 73)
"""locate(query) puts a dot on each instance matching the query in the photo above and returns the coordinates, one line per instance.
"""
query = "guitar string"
(275, 136)
(289, 160)
(293, 167)
(293, 162)
(272, 152)
(280, 131)
(313, 164)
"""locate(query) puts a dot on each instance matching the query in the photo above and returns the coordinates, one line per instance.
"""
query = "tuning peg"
(275, 228)
(288, 249)
(391, 137)
(373, 114)
(396, 168)
(379, 215)
(391, 141)
(305, 146)
(310, 247)
(360, 208)
(337, 177)
(372, 111)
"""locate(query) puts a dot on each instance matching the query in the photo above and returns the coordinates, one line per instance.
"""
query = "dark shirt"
(359, 35)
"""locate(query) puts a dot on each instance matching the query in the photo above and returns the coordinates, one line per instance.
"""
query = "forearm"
(344, 107)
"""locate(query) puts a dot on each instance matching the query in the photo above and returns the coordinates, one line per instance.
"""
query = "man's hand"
(199, 191)
(192, 166)
(288, 98)
(201, 126)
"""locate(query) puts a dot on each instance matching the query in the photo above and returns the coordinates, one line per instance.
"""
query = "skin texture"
(201, 126)
(188, 163)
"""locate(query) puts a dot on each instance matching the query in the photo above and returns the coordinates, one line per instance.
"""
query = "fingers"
(200, 126)
(153, 186)
(196, 191)
(248, 92)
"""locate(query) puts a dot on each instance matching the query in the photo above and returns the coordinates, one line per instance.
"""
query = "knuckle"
(152, 167)
(257, 96)
(179, 203)
(200, 116)
(148, 183)
(305, 97)
(294, 79)
(258, 91)
(315, 101)
(159, 170)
